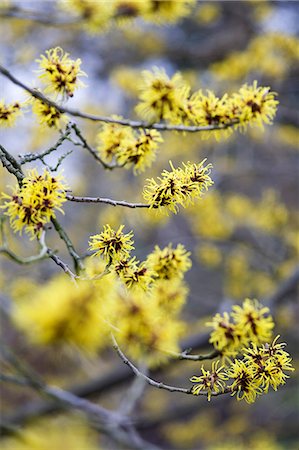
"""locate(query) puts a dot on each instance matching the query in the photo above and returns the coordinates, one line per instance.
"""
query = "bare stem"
(29, 157)
(186, 356)
(91, 150)
(150, 381)
(43, 254)
(11, 164)
(108, 201)
(63, 235)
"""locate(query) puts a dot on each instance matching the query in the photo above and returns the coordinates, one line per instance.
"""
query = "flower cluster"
(144, 328)
(169, 263)
(126, 298)
(250, 322)
(62, 312)
(170, 295)
(9, 113)
(111, 244)
(261, 368)
(47, 115)
(210, 381)
(162, 264)
(164, 98)
(133, 273)
(128, 147)
(270, 54)
(97, 17)
(59, 72)
(181, 186)
(161, 97)
(33, 204)
(151, 295)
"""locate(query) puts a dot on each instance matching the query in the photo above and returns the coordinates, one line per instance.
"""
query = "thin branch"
(59, 162)
(14, 168)
(115, 425)
(152, 382)
(125, 122)
(29, 157)
(91, 150)
(31, 379)
(63, 235)
(12, 379)
(43, 254)
(11, 164)
(186, 356)
(61, 264)
(108, 201)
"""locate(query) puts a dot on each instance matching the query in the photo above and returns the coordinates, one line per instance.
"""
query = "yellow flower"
(111, 244)
(33, 204)
(47, 115)
(270, 54)
(211, 221)
(144, 330)
(133, 273)
(94, 16)
(210, 110)
(113, 138)
(9, 113)
(253, 105)
(161, 97)
(170, 294)
(169, 263)
(209, 255)
(225, 337)
(60, 433)
(244, 385)
(168, 10)
(127, 146)
(126, 10)
(59, 72)
(140, 152)
(209, 381)
(208, 13)
(254, 320)
(269, 363)
(178, 187)
(62, 312)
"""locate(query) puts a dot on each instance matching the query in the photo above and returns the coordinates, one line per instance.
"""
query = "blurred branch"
(104, 384)
(124, 122)
(133, 394)
(287, 286)
(15, 12)
(43, 254)
(116, 426)
(108, 201)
